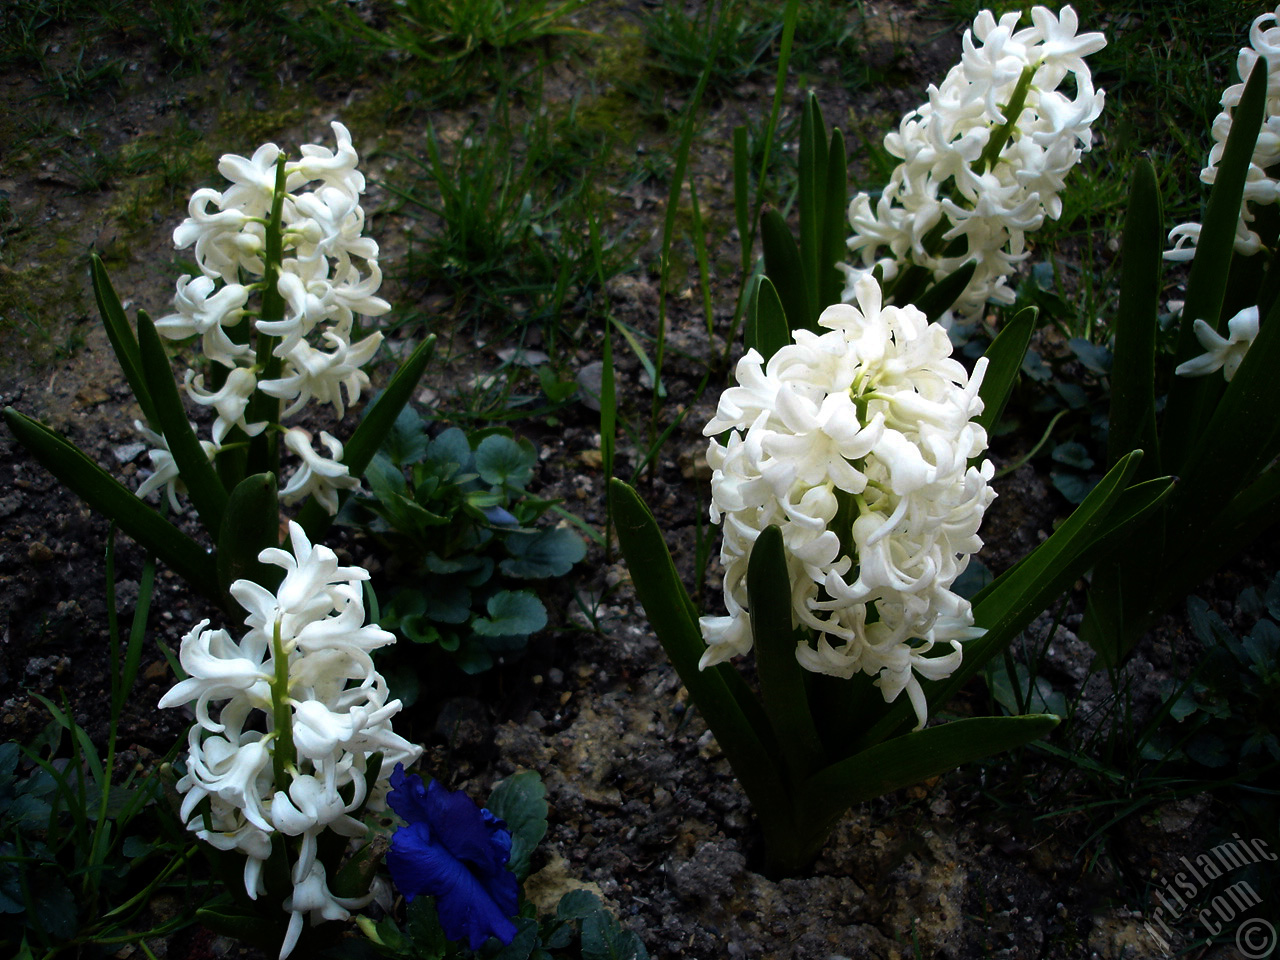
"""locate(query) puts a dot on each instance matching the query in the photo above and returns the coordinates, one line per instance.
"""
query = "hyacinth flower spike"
(843, 537)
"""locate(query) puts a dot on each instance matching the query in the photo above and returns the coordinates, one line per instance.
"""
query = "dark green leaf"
(782, 265)
(447, 602)
(942, 296)
(604, 939)
(250, 525)
(520, 800)
(424, 930)
(502, 461)
(1071, 485)
(577, 905)
(511, 613)
(205, 488)
(782, 680)
(122, 338)
(1092, 356)
(735, 716)
(406, 441)
(108, 497)
(1190, 398)
(901, 761)
(1004, 360)
(767, 331)
(1132, 415)
(547, 553)
(1073, 455)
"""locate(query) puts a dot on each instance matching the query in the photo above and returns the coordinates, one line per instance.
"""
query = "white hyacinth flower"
(874, 413)
(988, 204)
(1261, 187)
(327, 274)
(317, 476)
(311, 630)
(1222, 353)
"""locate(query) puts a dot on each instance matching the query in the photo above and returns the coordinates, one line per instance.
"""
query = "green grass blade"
(207, 493)
(742, 196)
(373, 429)
(123, 341)
(1190, 398)
(700, 255)
(108, 497)
(782, 680)
(1133, 372)
(1004, 360)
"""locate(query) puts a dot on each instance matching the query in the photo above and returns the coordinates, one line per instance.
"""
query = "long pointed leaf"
(123, 342)
(941, 296)
(835, 202)
(105, 495)
(783, 266)
(917, 756)
(250, 525)
(1004, 360)
(207, 493)
(1133, 373)
(812, 187)
(1189, 397)
(767, 330)
(737, 719)
(782, 680)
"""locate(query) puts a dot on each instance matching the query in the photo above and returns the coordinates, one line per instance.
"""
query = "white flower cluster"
(1260, 187)
(875, 413)
(942, 176)
(340, 716)
(328, 273)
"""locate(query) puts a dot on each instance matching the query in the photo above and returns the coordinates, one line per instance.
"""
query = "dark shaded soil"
(995, 860)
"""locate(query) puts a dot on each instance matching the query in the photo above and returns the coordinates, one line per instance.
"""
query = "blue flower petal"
(408, 796)
(465, 830)
(468, 906)
(456, 852)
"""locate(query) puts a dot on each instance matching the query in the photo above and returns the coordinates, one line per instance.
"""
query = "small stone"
(694, 466)
(591, 384)
(128, 452)
(39, 553)
(89, 396)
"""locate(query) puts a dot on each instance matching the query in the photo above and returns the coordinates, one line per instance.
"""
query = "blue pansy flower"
(454, 851)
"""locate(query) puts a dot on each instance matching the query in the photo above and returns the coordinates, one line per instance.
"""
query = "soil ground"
(994, 860)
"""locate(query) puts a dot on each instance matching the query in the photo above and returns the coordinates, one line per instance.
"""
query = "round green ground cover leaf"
(541, 555)
(451, 447)
(506, 462)
(520, 800)
(512, 613)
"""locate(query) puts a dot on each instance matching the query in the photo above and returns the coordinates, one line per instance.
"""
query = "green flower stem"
(283, 755)
(910, 282)
(264, 451)
(1012, 111)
